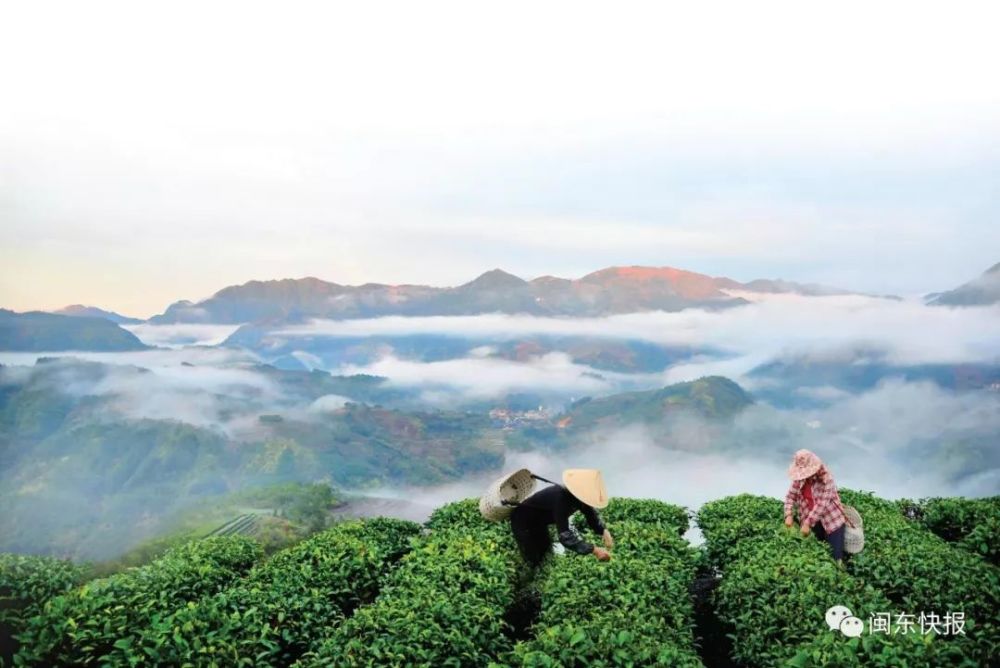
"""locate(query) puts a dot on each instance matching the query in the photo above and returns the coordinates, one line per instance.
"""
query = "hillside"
(604, 292)
(91, 470)
(36, 331)
(981, 291)
(713, 398)
(455, 592)
(96, 456)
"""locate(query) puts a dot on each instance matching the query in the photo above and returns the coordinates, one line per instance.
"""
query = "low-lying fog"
(896, 436)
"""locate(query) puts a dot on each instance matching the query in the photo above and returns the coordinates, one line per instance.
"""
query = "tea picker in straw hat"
(815, 494)
(583, 490)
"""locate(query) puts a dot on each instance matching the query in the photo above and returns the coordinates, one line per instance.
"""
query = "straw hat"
(804, 464)
(587, 485)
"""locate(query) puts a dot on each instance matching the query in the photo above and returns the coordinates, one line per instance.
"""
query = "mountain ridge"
(612, 290)
(983, 290)
(79, 310)
(37, 331)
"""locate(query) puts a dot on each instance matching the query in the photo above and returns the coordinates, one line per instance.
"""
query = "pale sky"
(151, 152)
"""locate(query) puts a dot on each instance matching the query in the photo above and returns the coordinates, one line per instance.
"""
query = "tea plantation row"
(777, 585)
(385, 592)
(972, 524)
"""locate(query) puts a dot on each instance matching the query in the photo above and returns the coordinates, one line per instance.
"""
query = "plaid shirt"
(827, 507)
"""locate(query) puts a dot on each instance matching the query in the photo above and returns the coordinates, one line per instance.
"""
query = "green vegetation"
(920, 572)
(26, 583)
(646, 511)
(777, 585)
(276, 516)
(284, 605)
(712, 397)
(982, 540)
(634, 610)
(444, 605)
(972, 524)
(48, 332)
(307, 505)
(367, 445)
(100, 622)
(385, 592)
(82, 478)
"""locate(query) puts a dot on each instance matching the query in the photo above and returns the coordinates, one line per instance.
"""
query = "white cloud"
(909, 331)
(823, 393)
(196, 395)
(890, 418)
(327, 403)
(308, 360)
(150, 359)
(193, 385)
(634, 464)
(178, 335)
(184, 379)
(488, 377)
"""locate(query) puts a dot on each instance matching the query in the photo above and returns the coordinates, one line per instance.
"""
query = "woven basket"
(512, 489)
(854, 531)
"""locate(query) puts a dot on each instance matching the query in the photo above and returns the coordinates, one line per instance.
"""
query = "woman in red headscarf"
(815, 494)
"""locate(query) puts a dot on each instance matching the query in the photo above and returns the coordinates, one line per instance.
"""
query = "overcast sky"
(154, 152)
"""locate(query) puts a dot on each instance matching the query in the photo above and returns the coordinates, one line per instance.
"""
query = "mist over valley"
(672, 398)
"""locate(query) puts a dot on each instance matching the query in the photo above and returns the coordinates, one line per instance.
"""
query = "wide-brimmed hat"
(804, 464)
(586, 485)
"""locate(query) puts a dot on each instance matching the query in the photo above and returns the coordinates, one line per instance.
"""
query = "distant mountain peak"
(663, 280)
(72, 309)
(642, 273)
(279, 286)
(81, 311)
(980, 291)
(495, 279)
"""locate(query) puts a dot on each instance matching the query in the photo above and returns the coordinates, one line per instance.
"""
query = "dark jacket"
(555, 505)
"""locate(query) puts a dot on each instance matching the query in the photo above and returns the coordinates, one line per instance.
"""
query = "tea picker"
(514, 497)
(815, 494)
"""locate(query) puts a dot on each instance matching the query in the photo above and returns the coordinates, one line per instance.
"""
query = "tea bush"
(443, 606)
(982, 540)
(285, 604)
(776, 588)
(955, 517)
(897, 651)
(463, 515)
(384, 592)
(98, 623)
(736, 521)
(26, 583)
(647, 511)
(632, 611)
(969, 523)
(920, 572)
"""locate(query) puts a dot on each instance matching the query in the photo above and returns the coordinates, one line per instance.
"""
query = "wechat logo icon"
(839, 618)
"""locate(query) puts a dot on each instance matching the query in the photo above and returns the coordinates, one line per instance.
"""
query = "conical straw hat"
(586, 485)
